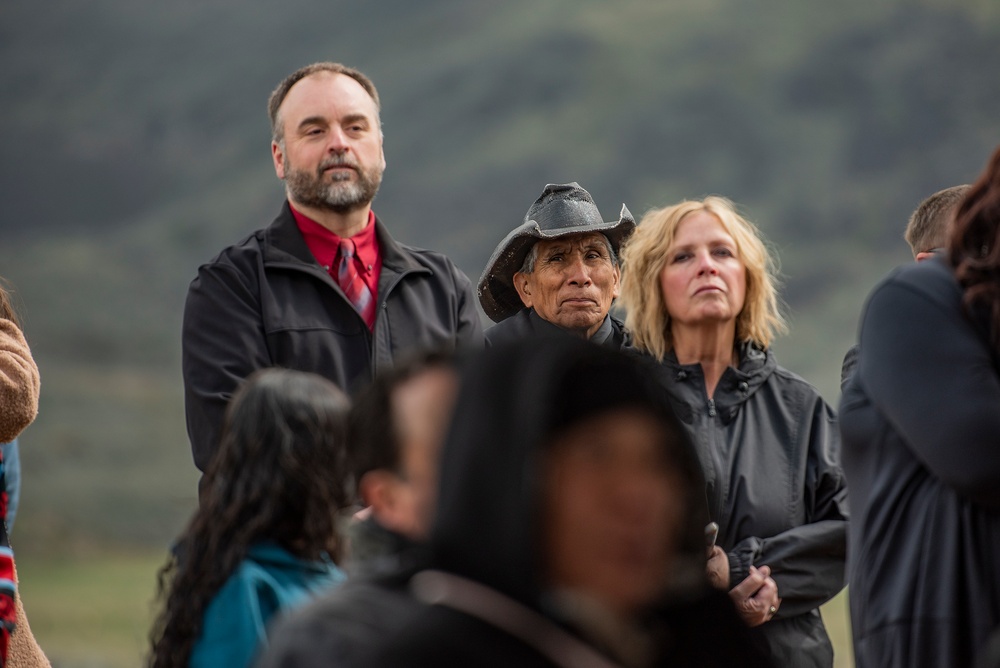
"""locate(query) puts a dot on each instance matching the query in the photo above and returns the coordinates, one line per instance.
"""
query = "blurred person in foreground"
(558, 272)
(20, 385)
(989, 656)
(927, 234)
(921, 427)
(570, 525)
(397, 428)
(264, 537)
(324, 288)
(701, 301)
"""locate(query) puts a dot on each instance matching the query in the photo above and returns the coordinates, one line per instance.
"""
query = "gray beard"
(341, 195)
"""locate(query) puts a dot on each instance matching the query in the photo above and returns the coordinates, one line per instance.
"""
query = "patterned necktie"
(353, 285)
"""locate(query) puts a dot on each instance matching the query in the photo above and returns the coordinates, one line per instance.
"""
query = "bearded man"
(324, 288)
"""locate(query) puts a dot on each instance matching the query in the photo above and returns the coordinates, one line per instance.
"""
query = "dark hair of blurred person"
(974, 248)
(270, 502)
(570, 523)
(920, 424)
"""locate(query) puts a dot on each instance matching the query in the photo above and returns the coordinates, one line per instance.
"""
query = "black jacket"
(527, 323)
(701, 633)
(921, 427)
(769, 447)
(266, 302)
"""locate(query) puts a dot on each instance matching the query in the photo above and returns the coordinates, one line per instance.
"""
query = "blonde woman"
(700, 296)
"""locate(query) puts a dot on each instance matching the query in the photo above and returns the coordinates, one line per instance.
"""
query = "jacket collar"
(283, 244)
(736, 385)
(395, 256)
(271, 553)
(611, 333)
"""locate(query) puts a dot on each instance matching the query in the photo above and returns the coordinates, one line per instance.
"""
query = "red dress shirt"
(325, 245)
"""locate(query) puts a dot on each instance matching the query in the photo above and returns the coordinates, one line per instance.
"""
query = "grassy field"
(90, 612)
(96, 612)
(838, 625)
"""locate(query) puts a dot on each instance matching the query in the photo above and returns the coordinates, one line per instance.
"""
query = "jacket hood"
(735, 387)
(514, 399)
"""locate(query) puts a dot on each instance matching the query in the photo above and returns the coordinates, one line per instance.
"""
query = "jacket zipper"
(380, 315)
(720, 459)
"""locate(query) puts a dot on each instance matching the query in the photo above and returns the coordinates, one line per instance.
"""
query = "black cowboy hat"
(561, 210)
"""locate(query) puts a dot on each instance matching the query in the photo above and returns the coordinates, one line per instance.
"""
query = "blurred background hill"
(137, 146)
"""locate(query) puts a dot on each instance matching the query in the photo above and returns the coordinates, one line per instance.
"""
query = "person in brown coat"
(19, 382)
(19, 388)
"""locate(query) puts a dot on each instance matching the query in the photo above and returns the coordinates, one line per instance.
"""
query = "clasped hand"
(756, 597)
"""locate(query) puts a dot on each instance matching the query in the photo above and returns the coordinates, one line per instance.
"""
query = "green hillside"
(137, 147)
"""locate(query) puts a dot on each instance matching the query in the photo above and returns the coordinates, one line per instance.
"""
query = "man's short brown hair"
(930, 223)
(279, 93)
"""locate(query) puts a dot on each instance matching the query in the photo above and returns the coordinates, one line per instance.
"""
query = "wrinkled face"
(331, 155)
(703, 280)
(612, 511)
(573, 284)
(421, 410)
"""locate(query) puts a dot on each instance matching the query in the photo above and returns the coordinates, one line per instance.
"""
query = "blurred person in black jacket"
(397, 429)
(920, 420)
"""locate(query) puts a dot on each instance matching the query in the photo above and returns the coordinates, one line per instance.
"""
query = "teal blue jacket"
(269, 580)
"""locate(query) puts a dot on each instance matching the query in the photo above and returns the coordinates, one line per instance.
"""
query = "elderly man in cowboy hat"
(558, 271)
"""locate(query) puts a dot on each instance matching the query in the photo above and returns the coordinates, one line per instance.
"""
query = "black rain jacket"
(921, 426)
(266, 302)
(769, 448)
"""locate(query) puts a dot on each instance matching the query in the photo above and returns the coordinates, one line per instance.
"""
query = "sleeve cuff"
(739, 569)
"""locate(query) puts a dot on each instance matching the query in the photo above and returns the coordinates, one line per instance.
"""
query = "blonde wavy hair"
(645, 254)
